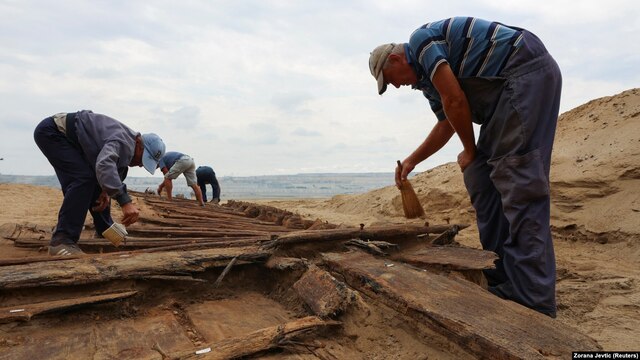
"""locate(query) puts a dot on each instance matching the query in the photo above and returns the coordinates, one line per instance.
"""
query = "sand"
(595, 215)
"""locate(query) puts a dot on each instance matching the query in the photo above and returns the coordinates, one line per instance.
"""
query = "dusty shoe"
(65, 250)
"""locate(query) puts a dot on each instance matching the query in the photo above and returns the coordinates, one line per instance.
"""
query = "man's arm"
(166, 184)
(456, 108)
(110, 182)
(437, 138)
(107, 172)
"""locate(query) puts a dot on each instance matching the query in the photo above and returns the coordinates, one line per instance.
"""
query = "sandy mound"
(596, 166)
(595, 175)
(28, 203)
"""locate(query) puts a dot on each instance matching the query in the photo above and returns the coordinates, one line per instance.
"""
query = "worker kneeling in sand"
(173, 164)
(502, 78)
(91, 154)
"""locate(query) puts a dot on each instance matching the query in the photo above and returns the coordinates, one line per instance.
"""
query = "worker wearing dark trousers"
(90, 154)
(508, 181)
(501, 77)
(78, 181)
(206, 175)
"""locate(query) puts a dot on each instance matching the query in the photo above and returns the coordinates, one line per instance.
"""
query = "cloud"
(305, 133)
(255, 87)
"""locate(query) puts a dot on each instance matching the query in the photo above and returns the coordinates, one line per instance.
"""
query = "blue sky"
(269, 87)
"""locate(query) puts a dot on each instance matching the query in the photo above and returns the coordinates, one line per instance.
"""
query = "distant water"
(252, 187)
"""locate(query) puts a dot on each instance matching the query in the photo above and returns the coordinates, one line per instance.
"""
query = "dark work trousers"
(78, 181)
(208, 177)
(508, 181)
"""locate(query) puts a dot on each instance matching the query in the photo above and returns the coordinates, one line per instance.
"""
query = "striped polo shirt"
(472, 47)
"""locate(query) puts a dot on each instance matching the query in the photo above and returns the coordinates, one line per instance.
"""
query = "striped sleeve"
(430, 48)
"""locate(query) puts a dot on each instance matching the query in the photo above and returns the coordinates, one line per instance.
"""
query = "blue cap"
(153, 151)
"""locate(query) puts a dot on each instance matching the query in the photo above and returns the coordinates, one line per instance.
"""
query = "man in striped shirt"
(502, 78)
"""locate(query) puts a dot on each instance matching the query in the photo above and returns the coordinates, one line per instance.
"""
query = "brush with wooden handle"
(410, 202)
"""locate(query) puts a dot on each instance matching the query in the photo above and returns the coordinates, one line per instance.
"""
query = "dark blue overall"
(78, 181)
(508, 181)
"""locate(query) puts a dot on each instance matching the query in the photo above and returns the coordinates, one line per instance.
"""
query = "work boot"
(65, 250)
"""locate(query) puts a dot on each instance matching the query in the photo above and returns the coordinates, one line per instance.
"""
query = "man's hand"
(465, 158)
(101, 203)
(403, 170)
(130, 214)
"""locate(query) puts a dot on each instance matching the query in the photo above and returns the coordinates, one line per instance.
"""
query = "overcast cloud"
(269, 87)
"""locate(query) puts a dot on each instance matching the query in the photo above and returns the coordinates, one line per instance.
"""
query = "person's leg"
(522, 178)
(493, 227)
(203, 189)
(188, 167)
(76, 179)
(215, 188)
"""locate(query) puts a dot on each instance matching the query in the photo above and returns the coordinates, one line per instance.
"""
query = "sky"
(270, 87)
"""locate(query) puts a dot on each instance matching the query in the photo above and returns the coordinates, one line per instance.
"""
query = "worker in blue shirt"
(90, 154)
(502, 78)
(206, 175)
(173, 164)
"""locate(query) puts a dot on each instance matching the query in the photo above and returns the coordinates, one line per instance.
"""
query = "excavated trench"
(243, 280)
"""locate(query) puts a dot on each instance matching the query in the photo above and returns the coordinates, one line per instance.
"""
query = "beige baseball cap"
(377, 59)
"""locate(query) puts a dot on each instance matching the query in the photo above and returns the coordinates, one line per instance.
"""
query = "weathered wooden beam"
(371, 233)
(134, 243)
(123, 266)
(323, 293)
(255, 342)
(450, 258)
(208, 244)
(27, 311)
(480, 322)
(33, 259)
(197, 232)
(213, 223)
(178, 278)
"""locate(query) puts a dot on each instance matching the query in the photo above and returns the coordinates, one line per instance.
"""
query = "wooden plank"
(210, 222)
(324, 294)
(485, 325)
(33, 259)
(450, 258)
(27, 311)
(134, 242)
(373, 233)
(122, 266)
(187, 244)
(255, 342)
(115, 338)
(185, 232)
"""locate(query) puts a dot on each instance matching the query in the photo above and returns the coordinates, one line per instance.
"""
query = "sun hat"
(377, 59)
(154, 149)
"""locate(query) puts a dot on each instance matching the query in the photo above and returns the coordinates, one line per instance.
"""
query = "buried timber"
(244, 280)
